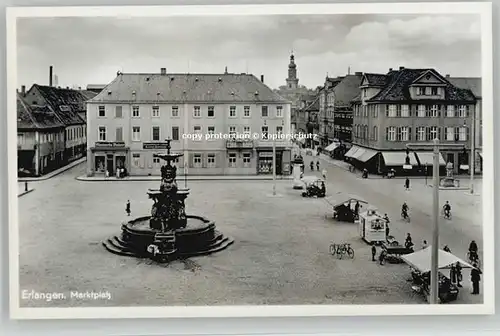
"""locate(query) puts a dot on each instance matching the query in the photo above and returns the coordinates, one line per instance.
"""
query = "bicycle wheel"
(350, 252)
(333, 249)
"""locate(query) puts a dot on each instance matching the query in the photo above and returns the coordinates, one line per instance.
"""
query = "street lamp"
(472, 149)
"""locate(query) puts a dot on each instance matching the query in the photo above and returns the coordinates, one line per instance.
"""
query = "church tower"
(292, 81)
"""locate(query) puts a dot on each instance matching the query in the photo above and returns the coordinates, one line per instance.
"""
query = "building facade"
(40, 139)
(67, 104)
(410, 106)
(221, 122)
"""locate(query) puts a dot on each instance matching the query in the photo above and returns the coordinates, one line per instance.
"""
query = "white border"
(483, 9)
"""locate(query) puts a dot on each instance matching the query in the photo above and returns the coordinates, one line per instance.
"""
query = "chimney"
(51, 70)
(262, 78)
(447, 76)
(163, 71)
(401, 67)
(390, 69)
(358, 73)
(23, 90)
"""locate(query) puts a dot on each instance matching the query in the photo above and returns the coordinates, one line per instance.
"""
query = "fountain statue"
(449, 181)
(168, 233)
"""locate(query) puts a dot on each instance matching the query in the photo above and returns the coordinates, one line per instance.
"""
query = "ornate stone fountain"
(168, 233)
(449, 181)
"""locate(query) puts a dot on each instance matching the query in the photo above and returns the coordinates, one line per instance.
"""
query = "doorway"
(110, 164)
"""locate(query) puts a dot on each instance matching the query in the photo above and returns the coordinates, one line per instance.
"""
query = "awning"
(421, 260)
(367, 155)
(351, 151)
(397, 159)
(427, 158)
(332, 146)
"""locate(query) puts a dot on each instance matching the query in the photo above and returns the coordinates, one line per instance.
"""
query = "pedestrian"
(323, 172)
(107, 173)
(127, 208)
(424, 244)
(446, 249)
(381, 257)
(407, 184)
(475, 277)
(374, 252)
(317, 165)
(458, 270)
(356, 208)
(387, 229)
(408, 241)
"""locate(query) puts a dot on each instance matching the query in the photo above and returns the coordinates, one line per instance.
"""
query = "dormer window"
(109, 93)
(434, 91)
(420, 91)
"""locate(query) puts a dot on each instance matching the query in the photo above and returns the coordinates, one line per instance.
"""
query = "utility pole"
(274, 165)
(435, 229)
(472, 150)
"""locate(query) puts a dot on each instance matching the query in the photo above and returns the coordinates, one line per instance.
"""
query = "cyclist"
(447, 210)
(386, 218)
(473, 251)
(404, 210)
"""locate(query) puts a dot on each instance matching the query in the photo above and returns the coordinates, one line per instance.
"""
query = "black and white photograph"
(266, 160)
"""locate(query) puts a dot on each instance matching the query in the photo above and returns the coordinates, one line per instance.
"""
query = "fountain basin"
(199, 237)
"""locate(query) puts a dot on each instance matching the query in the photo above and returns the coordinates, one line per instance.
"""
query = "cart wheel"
(350, 252)
(333, 249)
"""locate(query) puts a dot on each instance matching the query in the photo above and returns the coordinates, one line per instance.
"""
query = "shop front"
(265, 161)
(108, 157)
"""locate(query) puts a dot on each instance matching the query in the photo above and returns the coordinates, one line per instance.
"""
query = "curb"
(53, 173)
(25, 192)
(179, 179)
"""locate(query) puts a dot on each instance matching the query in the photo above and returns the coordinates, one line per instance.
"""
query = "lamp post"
(274, 166)
(472, 149)
(434, 279)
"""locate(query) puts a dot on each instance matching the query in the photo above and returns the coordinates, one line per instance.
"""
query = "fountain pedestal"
(449, 181)
(168, 233)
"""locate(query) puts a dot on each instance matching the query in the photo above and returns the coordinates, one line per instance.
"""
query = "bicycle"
(342, 249)
(446, 215)
(473, 257)
(405, 216)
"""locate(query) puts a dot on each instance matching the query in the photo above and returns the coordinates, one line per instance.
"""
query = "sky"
(91, 50)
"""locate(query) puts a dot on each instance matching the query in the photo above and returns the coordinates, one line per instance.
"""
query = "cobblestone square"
(280, 254)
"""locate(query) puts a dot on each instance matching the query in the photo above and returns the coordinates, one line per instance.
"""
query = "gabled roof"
(347, 89)
(397, 87)
(331, 82)
(35, 117)
(225, 87)
(66, 103)
(471, 83)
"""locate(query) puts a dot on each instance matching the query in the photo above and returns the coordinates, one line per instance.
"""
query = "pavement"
(21, 189)
(180, 178)
(53, 173)
(280, 255)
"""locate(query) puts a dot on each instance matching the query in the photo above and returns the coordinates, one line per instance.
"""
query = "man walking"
(407, 184)
(127, 208)
(323, 172)
(374, 252)
(475, 277)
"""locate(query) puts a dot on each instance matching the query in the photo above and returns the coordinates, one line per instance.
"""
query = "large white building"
(130, 119)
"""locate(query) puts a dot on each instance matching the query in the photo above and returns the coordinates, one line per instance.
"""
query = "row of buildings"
(51, 127)
(371, 118)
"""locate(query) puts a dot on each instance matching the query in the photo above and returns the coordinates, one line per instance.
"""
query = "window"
(420, 91)
(450, 134)
(156, 111)
(450, 111)
(246, 111)
(136, 160)
(135, 111)
(156, 160)
(175, 111)
(232, 111)
(265, 131)
(421, 111)
(279, 130)
(211, 131)
(462, 111)
(197, 161)
(232, 160)
(364, 93)
(375, 133)
(403, 133)
(119, 134)
(211, 112)
(432, 133)
(246, 160)
(232, 131)
(428, 91)
(391, 133)
(246, 130)
(421, 134)
(175, 133)
(211, 160)
(136, 133)
(462, 133)
(102, 133)
(196, 112)
(433, 111)
(434, 91)
(279, 111)
(197, 132)
(405, 111)
(118, 112)
(156, 133)
(264, 111)
(102, 111)
(391, 111)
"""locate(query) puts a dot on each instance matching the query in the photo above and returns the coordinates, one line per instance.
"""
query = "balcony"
(239, 144)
